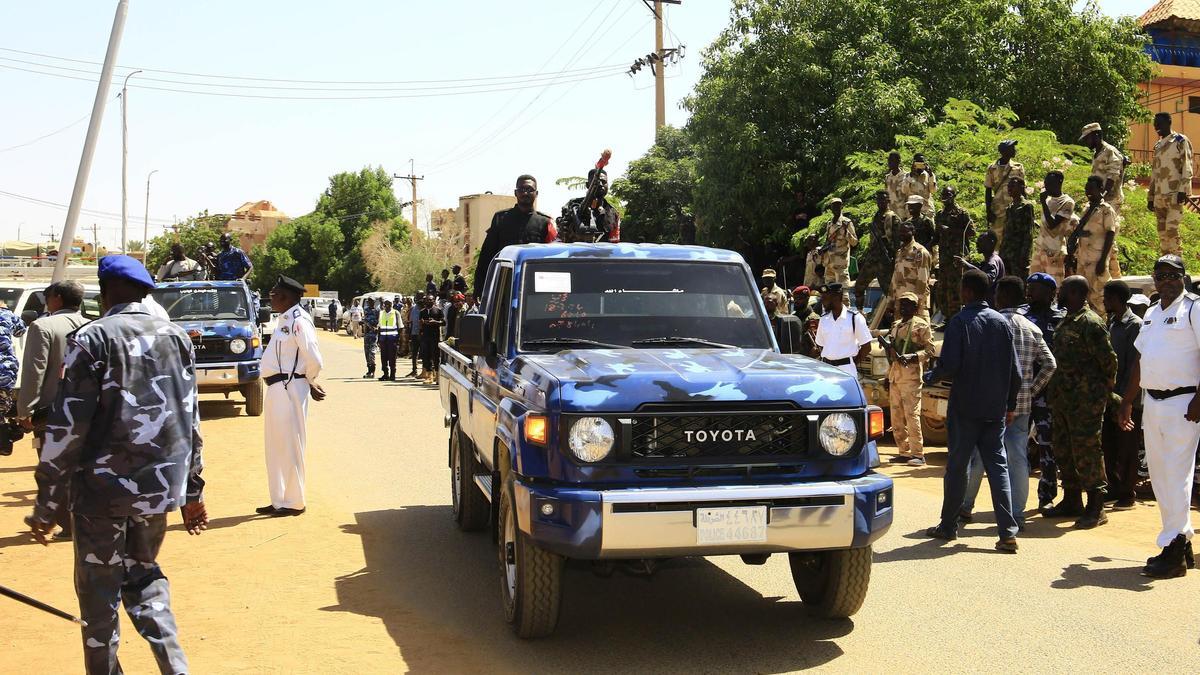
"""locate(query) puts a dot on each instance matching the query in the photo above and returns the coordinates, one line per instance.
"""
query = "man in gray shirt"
(41, 366)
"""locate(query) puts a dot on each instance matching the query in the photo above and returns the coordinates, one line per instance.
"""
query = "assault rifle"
(575, 223)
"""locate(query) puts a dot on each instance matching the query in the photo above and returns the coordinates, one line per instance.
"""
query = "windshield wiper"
(678, 340)
(569, 341)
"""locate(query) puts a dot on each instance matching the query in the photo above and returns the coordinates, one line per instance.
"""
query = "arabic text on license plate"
(942, 404)
(731, 525)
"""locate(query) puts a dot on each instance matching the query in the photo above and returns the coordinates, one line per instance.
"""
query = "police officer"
(842, 332)
(289, 367)
(370, 330)
(123, 445)
(390, 325)
(518, 225)
(1168, 368)
(432, 320)
(232, 263)
(1041, 289)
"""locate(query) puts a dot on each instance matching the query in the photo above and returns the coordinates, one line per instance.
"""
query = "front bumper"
(661, 522)
(225, 376)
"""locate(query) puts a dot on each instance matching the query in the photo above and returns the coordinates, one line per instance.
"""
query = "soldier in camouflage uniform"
(893, 183)
(1017, 241)
(1057, 221)
(1109, 165)
(770, 288)
(1090, 246)
(879, 259)
(840, 239)
(1078, 393)
(1041, 310)
(920, 182)
(911, 275)
(924, 231)
(910, 341)
(1170, 182)
(996, 195)
(814, 262)
(370, 331)
(954, 231)
(123, 440)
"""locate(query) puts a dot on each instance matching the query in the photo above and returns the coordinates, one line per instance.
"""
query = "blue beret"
(124, 267)
(1042, 277)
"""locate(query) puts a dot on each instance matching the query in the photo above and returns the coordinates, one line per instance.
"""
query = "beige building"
(474, 216)
(253, 221)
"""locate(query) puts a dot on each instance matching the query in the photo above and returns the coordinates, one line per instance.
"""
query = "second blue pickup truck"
(629, 403)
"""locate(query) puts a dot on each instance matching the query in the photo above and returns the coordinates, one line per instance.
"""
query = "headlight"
(879, 366)
(838, 434)
(237, 345)
(591, 439)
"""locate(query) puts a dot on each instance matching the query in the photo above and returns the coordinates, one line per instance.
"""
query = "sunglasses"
(526, 191)
(1167, 276)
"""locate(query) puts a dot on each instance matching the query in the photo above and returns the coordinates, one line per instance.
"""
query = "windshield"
(201, 303)
(10, 296)
(640, 303)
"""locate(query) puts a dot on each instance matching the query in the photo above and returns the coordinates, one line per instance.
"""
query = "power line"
(45, 136)
(290, 81)
(90, 212)
(599, 76)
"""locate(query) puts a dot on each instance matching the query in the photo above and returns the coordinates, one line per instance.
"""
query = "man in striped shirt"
(1037, 365)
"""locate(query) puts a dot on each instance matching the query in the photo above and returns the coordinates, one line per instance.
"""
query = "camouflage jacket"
(924, 232)
(11, 327)
(882, 248)
(894, 184)
(997, 178)
(1109, 164)
(840, 237)
(924, 185)
(1087, 365)
(124, 434)
(1018, 237)
(955, 231)
(1054, 240)
(1172, 168)
(911, 273)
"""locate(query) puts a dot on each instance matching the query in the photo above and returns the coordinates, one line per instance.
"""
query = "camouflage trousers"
(871, 270)
(1050, 262)
(1040, 436)
(837, 270)
(947, 292)
(1114, 260)
(1077, 449)
(114, 565)
(997, 226)
(369, 351)
(1096, 285)
(1168, 212)
(904, 399)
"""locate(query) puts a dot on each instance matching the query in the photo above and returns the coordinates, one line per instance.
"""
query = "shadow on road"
(1081, 575)
(219, 408)
(437, 592)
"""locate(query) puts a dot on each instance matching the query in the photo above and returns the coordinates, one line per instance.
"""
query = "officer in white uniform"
(1168, 369)
(289, 368)
(842, 332)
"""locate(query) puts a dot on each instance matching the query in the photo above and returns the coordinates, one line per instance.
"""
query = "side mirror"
(472, 338)
(29, 316)
(264, 315)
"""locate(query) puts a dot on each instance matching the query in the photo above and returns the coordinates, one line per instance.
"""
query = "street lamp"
(146, 225)
(125, 160)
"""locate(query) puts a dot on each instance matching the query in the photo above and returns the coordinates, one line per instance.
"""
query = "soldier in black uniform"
(518, 225)
(604, 217)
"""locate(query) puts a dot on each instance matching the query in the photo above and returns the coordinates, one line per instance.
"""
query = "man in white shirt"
(842, 333)
(1168, 368)
(356, 318)
(180, 267)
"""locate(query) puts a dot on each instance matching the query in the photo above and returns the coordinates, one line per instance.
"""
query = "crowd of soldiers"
(1088, 353)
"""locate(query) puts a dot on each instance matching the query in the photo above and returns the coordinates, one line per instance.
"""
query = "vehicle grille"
(718, 436)
(210, 347)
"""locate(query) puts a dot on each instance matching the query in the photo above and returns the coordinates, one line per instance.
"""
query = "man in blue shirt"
(980, 359)
(232, 263)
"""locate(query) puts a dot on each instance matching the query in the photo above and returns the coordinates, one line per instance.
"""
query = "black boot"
(1189, 558)
(1071, 506)
(1170, 563)
(1093, 514)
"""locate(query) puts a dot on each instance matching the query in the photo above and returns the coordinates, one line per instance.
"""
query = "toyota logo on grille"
(719, 435)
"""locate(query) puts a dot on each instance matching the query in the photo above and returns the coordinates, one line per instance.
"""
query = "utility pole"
(89, 143)
(146, 223)
(95, 242)
(125, 162)
(660, 84)
(412, 177)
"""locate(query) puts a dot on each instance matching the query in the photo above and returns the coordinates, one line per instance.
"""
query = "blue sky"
(216, 152)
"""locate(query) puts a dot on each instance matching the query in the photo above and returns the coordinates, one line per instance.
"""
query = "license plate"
(731, 525)
(942, 406)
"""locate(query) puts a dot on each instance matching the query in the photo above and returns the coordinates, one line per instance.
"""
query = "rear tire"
(834, 583)
(530, 577)
(254, 392)
(471, 508)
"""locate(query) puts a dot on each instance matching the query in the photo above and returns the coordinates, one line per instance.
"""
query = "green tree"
(191, 233)
(325, 247)
(657, 191)
(792, 87)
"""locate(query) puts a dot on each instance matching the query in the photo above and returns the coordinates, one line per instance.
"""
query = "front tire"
(530, 577)
(834, 583)
(471, 508)
(254, 393)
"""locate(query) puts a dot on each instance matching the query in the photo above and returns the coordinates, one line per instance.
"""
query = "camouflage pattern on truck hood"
(616, 380)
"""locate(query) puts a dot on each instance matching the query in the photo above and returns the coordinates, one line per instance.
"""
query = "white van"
(27, 299)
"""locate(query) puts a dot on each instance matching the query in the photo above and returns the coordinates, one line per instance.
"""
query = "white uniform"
(841, 338)
(1169, 344)
(293, 350)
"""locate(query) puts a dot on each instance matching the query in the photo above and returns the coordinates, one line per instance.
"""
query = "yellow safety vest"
(388, 324)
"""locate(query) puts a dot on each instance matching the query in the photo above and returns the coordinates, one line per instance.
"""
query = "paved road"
(375, 579)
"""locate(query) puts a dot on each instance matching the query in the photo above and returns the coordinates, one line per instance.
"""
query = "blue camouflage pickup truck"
(624, 403)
